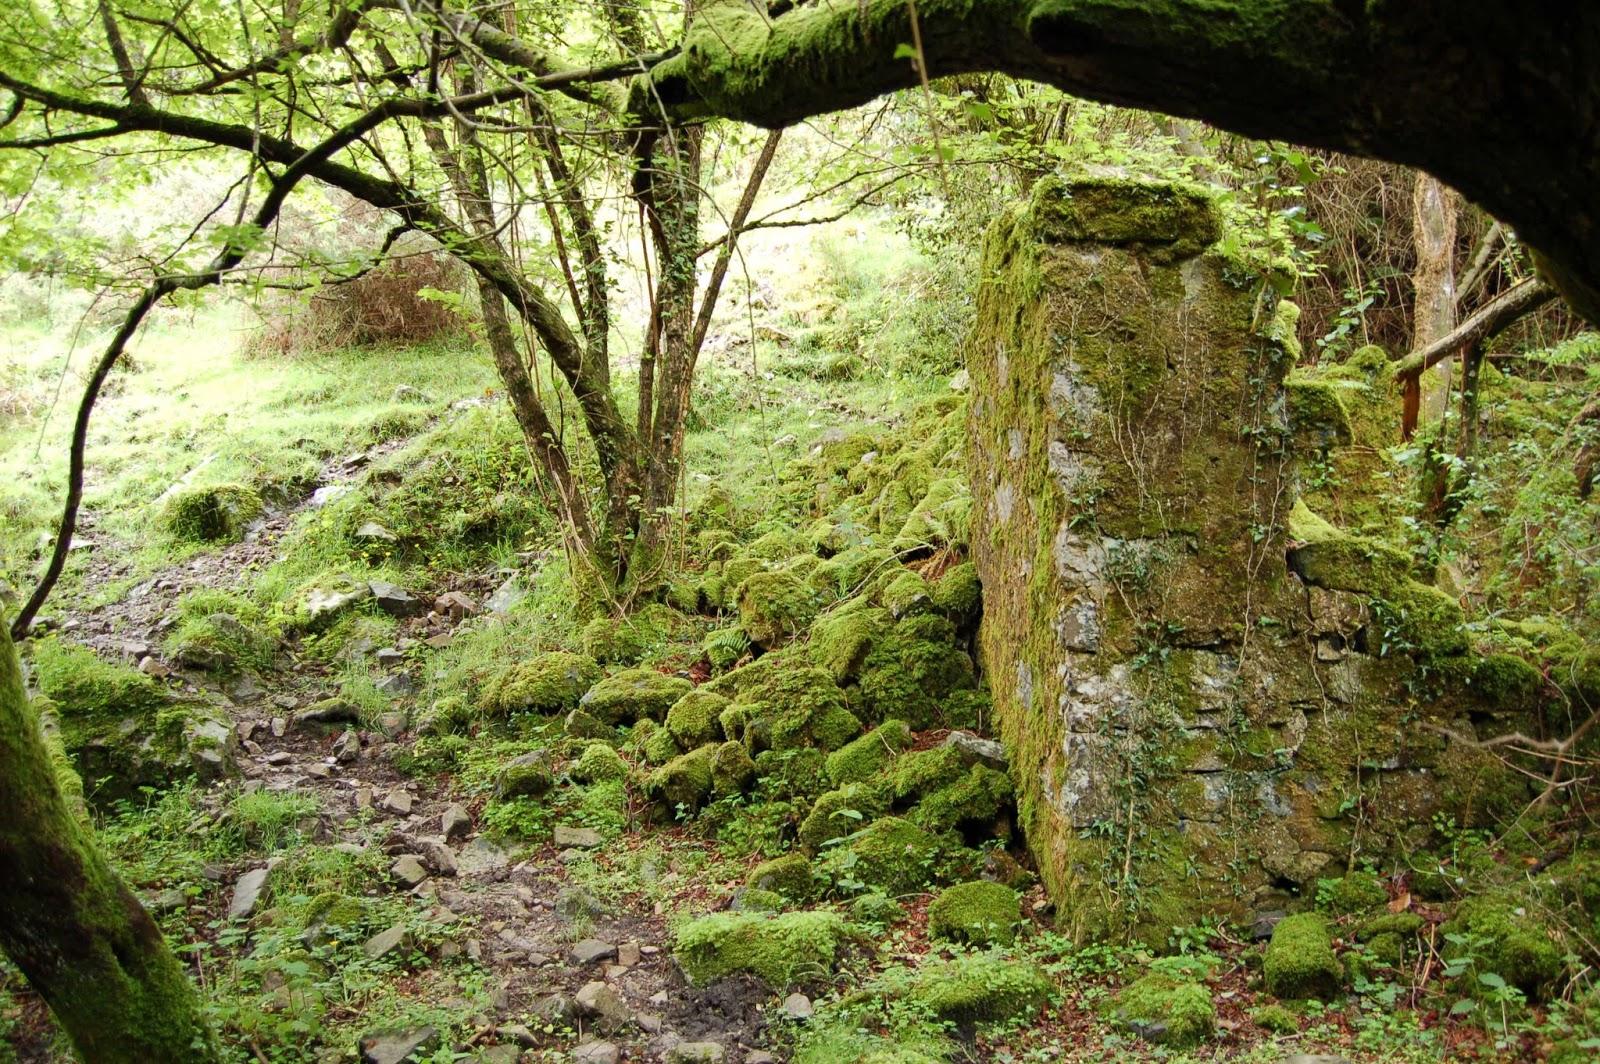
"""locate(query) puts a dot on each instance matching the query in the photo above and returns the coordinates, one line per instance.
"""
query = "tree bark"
(75, 931)
(1433, 284)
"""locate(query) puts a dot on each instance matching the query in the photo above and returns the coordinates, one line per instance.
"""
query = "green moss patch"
(980, 913)
(782, 949)
(1300, 962)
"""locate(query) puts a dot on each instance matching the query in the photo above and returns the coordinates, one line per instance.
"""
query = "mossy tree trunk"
(69, 924)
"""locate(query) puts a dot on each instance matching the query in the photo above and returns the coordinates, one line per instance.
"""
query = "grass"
(188, 407)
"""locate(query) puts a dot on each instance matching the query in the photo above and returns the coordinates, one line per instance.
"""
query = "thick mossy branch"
(1494, 98)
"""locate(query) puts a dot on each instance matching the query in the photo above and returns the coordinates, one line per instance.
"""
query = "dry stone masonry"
(1213, 696)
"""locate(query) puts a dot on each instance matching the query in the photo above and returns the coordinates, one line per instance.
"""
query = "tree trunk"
(1433, 283)
(76, 932)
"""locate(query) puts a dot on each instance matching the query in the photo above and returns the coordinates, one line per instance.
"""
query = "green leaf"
(904, 51)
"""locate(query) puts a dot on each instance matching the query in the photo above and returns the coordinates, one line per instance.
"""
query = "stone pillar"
(1187, 720)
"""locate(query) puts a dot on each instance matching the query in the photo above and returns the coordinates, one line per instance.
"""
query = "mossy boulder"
(907, 675)
(1508, 940)
(980, 988)
(869, 755)
(782, 949)
(695, 719)
(979, 913)
(1300, 962)
(774, 607)
(224, 639)
(907, 594)
(958, 594)
(979, 801)
(941, 518)
(547, 683)
(878, 910)
(1355, 893)
(527, 775)
(330, 916)
(889, 855)
(842, 811)
(851, 570)
(599, 763)
(795, 775)
(686, 781)
(797, 706)
(841, 640)
(724, 647)
(778, 545)
(732, 769)
(214, 513)
(625, 640)
(634, 694)
(789, 875)
(1166, 1010)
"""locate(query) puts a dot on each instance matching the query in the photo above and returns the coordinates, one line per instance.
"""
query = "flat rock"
(974, 750)
(455, 822)
(602, 1001)
(390, 656)
(592, 951)
(697, 1053)
(409, 870)
(555, 1008)
(165, 901)
(798, 1007)
(397, 801)
(517, 1033)
(597, 1053)
(396, 601)
(437, 856)
(373, 532)
(480, 856)
(455, 605)
(395, 1047)
(576, 838)
(247, 893)
(386, 942)
(328, 711)
(347, 747)
(396, 685)
(322, 605)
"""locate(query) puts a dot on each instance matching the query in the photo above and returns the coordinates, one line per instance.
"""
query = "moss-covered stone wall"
(1213, 696)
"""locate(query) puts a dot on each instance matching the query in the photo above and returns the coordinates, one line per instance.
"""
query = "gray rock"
(506, 595)
(398, 801)
(437, 856)
(395, 1047)
(697, 1053)
(389, 657)
(372, 532)
(247, 893)
(525, 776)
(320, 771)
(409, 870)
(279, 727)
(576, 838)
(602, 1002)
(555, 1009)
(347, 747)
(386, 942)
(391, 724)
(455, 605)
(455, 822)
(396, 685)
(516, 1033)
(591, 951)
(165, 901)
(395, 600)
(575, 902)
(597, 1053)
(1265, 922)
(761, 1056)
(974, 750)
(322, 605)
(500, 1055)
(798, 1007)
(480, 856)
(327, 711)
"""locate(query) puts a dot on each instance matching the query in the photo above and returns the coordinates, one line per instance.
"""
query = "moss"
(733, 721)
(634, 694)
(842, 812)
(908, 675)
(1167, 1010)
(582, 725)
(907, 594)
(797, 706)
(1506, 682)
(889, 855)
(684, 782)
(331, 915)
(1355, 893)
(789, 875)
(978, 800)
(841, 641)
(850, 570)
(656, 744)
(548, 683)
(1169, 220)
(626, 640)
(525, 776)
(695, 719)
(1300, 962)
(979, 913)
(1339, 561)
(941, 518)
(220, 632)
(792, 774)
(1317, 412)
(774, 607)
(870, 754)
(599, 762)
(924, 772)
(980, 988)
(1275, 1018)
(778, 545)
(781, 949)
(217, 513)
(1509, 941)
(958, 594)
(732, 769)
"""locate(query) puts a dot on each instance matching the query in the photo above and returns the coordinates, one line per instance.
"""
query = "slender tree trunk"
(1433, 223)
(69, 924)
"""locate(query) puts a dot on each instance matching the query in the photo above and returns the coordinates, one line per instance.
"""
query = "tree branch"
(1489, 319)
